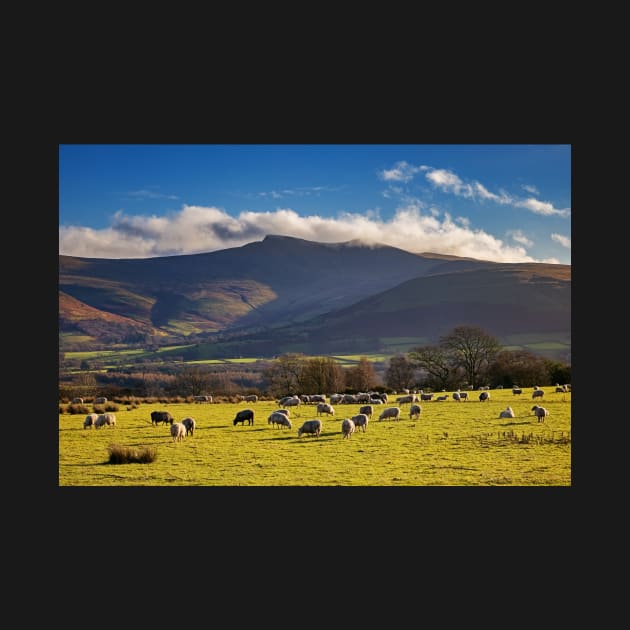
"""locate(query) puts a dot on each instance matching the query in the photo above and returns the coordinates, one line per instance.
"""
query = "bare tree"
(192, 381)
(436, 362)
(321, 375)
(472, 349)
(361, 377)
(284, 374)
(400, 373)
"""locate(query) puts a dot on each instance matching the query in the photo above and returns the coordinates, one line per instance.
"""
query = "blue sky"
(509, 203)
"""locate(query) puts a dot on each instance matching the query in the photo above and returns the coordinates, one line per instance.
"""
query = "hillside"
(277, 281)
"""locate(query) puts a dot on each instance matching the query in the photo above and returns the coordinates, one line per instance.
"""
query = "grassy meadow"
(451, 444)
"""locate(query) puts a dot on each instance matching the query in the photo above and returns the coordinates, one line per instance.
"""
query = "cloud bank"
(196, 229)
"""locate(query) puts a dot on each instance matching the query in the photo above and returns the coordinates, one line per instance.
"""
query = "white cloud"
(401, 172)
(530, 189)
(519, 237)
(449, 182)
(149, 194)
(565, 241)
(196, 229)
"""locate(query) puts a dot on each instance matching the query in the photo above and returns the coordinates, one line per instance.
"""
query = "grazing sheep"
(190, 425)
(390, 413)
(347, 427)
(280, 419)
(293, 401)
(284, 411)
(538, 393)
(161, 416)
(445, 397)
(463, 395)
(251, 398)
(101, 400)
(414, 412)
(243, 416)
(105, 419)
(90, 420)
(368, 410)
(318, 398)
(76, 401)
(507, 413)
(456, 396)
(349, 399)
(336, 399)
(484, 396)
(516, 390)
(178, 431)
(310, 427)
(424, 396)
(360, 420)
(561, 389)
(540, 413)
(202, 399)
(325, 408)
(402, 400)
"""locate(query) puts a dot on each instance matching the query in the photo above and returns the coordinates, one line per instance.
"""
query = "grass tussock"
(74, 409)
(129, 455)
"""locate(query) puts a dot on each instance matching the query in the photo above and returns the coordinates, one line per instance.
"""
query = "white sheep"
(90, 420)
(390, 413)
(360, 420)
(507, 413)
(103, 419)
(347, 427)
(178, 431)
(415, 411)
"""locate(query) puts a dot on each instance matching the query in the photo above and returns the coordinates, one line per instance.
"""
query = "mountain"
(285, 294)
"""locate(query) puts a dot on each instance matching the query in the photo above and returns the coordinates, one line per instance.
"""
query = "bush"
(83, 409)
(129, 455)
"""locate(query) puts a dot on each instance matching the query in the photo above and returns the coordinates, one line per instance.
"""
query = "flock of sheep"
(280, 417)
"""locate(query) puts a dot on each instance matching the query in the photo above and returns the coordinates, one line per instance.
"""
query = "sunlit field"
(451, 444)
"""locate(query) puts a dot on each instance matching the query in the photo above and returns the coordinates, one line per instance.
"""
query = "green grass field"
(452, 444)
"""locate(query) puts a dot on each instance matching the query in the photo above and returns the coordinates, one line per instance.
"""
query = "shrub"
(129, 455)
(83, 409)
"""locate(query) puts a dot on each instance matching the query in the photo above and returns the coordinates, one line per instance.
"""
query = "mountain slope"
(273, 282)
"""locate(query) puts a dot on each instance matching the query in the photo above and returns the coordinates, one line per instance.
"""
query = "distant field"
(452, 444)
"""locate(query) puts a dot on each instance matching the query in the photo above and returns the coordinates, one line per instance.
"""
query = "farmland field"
(451, 444)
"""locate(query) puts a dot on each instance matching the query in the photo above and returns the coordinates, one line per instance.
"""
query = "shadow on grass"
(507, 424)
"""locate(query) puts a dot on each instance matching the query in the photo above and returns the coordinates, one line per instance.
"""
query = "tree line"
(466, 357)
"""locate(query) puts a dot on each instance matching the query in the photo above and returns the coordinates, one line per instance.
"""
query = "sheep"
(76, 401)
(280, 419)
(561, 389)
(540, 413)
(349, 399)
(190, 425)
(336, 399)
(424, 396)
(325, 408)
(101, 400)
(363, 397)
(507, 413)
(456, 396)
(360, 420)
(347, 428)
(161, 416)
(178, 431)
(390, 413)
(463, 395)
(484, 396)
(538, 393)
(243, 416)
(414, 412)
(411, 398)
(201, 399)
(105, 419)
(311, 427)
(516, 390)
(445, 397)
(251, 398)
(90, 420)
(293, 401)
(318, 398)
(368, 410)
(284, 411)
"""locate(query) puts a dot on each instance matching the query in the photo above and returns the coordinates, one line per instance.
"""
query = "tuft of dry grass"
(119, 454)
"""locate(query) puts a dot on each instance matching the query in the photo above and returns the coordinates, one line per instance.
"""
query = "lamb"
(190, 425)
(390, 413)
(312, 427)
(178, 431)
(347, 427)
(507, 413)
(540, 413)
(90, 420)
(414, 412)
(360, 420)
